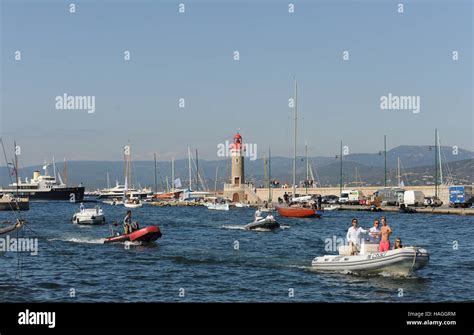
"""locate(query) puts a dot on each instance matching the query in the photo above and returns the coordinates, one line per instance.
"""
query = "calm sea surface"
(196, 260)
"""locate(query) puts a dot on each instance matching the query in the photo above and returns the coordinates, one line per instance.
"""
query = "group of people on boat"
(375, 235)
(258, 216)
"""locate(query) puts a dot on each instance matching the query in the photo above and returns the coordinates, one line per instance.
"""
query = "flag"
(177, 183)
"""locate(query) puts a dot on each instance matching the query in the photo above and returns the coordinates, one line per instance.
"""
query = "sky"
(190, 55)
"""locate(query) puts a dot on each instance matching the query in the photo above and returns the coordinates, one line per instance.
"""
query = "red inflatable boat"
(147, 234)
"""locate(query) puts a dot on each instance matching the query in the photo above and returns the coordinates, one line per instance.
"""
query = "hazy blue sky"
(190, 55)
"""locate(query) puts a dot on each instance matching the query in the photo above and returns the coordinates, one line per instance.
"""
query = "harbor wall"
(429, 191)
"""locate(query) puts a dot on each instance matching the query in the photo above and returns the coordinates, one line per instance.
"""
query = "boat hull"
(218, 207)
(263, 224)
(147, 234)
(297, 212)
(399, 262)
(75, 194)
(133, 205)
(15, 206)
(96, 220)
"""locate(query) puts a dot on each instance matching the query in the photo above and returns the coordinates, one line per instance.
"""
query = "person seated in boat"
(258, 215)
(374, 232)
(398, 243)
(127, 223)
(385, 233)
(134, 226)
(354, 236)
(270, 217)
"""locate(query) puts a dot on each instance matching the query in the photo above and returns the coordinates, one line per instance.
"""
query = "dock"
(426, 210)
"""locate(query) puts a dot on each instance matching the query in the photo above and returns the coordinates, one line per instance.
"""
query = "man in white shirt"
(354, 237)
(258, 215)
(374, 232)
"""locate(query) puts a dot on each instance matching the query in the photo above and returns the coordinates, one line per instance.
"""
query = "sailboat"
(297, 209)
(269, 204)
(129, 201)
(14, 203)
(174, 192)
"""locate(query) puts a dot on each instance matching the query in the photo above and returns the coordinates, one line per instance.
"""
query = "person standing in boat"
(385, 233)
(81, 207)
(127, 223)
(374, 232)
(354, 236)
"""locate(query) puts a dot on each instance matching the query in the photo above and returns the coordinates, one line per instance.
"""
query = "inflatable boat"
(403, 261)
(147, 234)
(264, 223)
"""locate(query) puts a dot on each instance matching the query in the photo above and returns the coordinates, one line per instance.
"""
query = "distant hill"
(417, 169)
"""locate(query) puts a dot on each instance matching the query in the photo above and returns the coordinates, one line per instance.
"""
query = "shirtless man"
(385, 233)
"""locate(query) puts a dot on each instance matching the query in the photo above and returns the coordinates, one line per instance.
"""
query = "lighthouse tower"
(237, 155)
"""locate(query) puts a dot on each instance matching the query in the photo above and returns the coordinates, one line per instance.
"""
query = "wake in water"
(241, 227)
(236, 227)
(79, 240)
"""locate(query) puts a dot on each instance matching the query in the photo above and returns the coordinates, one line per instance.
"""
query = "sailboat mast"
(436, 162)
(54, 167)
(172, 173)
(307, 167)
(108, 181)
(189, 170)
(439, 162)
(398, 171)
(269, 177)
(295, 130)
(215, 182)
(16, 168)
(197, 171)
(65, 171)
(340, 168)
(156, 178)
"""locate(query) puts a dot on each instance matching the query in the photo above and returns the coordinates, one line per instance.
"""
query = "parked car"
(330, 199)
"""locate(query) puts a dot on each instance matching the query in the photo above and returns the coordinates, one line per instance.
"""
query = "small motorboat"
(147, 234)
(218, 207)
(298, 212)
(241, 205)
(403, 261)
(263, 223)
(8, 202)
(133, 203)
(332, 208)
(89, 216)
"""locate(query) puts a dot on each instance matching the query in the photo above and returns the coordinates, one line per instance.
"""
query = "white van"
(350, 196)
(413, 198)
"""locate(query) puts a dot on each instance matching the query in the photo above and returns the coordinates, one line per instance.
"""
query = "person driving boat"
(127, 223)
